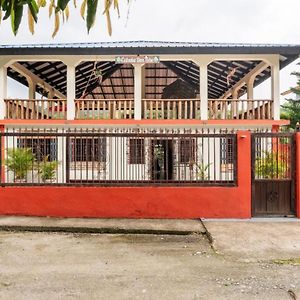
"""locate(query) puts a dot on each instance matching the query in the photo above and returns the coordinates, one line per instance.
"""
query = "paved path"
(257, 238)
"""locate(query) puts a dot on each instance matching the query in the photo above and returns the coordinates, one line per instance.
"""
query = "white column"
(275, 88)
(51, 94)
(31, 88)
(235, 93)
(203, 91)
(138, 91)
(3, 91)
(61, 157)
(250, 84)
(71, 91)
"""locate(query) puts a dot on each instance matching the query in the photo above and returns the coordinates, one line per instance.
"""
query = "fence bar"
(120, 157)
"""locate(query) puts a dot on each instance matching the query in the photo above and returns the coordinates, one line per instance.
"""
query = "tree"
(291, 109)
(13, 10)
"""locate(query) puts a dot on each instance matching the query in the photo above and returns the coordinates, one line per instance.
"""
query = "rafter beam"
(28, 74)
(253, 73)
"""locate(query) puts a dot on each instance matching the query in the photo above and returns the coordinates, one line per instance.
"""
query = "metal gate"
(273, 174)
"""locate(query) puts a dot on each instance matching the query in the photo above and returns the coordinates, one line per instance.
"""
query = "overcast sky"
(231, 21)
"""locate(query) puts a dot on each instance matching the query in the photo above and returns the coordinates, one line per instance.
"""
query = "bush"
(270, 165)
(19, 161)
(47, 169)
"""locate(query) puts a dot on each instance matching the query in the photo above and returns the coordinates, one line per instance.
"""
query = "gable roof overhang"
(54, 72)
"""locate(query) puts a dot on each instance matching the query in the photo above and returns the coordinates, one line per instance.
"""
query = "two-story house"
(145, 129)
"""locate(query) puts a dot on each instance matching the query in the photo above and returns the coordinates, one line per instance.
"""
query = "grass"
(289, 261)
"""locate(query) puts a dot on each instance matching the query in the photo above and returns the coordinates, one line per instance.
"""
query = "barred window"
(187, 151)
(136, 151)
(88, 149)
(226, 154)
(41, 147)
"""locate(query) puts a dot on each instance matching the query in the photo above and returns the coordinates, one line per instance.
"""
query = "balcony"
(37, 109)
(151, 109)
(236, 109)
(101, 109)
(171, 109)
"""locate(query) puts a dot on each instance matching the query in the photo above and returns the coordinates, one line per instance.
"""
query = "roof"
(149, 47)
(118, 79)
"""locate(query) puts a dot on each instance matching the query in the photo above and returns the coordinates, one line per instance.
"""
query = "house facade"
(146, 129)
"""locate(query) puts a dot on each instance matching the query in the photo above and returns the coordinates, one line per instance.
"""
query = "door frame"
(292, 161)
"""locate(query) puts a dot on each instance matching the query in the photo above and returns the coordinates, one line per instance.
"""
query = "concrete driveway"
(262, 239)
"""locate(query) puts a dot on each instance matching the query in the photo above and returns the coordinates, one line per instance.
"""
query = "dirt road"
(93, 266)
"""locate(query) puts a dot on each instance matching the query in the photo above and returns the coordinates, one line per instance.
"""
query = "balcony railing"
(37, 109)
(171, 109)
(154, 109)
(99, 109)
(240, 109)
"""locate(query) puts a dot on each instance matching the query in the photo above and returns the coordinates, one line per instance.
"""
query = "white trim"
(76, 59)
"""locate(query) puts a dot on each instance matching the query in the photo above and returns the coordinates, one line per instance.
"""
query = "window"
(226, 149)
(136, 151)
(41, 147)
(88, 149)
(186, 151)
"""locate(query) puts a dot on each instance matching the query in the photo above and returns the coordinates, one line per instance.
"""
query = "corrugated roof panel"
(147, 44)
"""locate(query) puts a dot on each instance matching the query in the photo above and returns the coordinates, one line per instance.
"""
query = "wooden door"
(273, 176)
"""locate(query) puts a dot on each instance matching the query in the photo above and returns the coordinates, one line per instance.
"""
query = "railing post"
(3, 91)
(138, 90)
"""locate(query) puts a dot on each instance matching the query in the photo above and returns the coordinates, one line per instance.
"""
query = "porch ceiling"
(118, 79)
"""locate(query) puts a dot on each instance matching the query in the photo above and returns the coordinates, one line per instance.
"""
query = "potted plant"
(19, 161)
(47, 169)
(201, 170)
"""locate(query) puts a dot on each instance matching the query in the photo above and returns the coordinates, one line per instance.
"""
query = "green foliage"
(270, 165)
(47, 169)
(19, 161)
(291, 109)
(13, 10)
(91, 13)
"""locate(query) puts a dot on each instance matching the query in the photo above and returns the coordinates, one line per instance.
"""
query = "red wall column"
(2, 153)
(275, 128)
(297, 174)
(244, 168)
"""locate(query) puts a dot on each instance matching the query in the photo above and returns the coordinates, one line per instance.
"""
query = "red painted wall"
(137, 202)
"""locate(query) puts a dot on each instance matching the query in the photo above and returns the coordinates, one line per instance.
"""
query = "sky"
(231, 21)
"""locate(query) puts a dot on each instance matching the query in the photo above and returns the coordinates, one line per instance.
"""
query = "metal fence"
(272, 156)
(116, 157)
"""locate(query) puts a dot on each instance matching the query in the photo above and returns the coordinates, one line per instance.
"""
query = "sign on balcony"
(137, 59)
